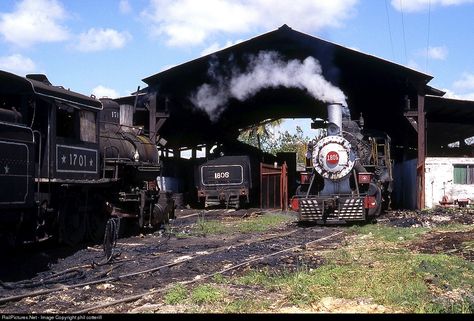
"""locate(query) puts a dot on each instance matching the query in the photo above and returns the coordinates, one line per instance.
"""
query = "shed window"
(463, 174)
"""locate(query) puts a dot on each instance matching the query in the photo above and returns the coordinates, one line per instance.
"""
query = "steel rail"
(123, 276)
(246, 262)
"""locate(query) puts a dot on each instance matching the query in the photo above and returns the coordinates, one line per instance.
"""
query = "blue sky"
(106, 47)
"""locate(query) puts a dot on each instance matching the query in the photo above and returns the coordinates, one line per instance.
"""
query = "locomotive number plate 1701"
(71, 159)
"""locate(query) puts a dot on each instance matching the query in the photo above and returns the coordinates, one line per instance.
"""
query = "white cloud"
(102, 91)
(468, 96)
(434, 53)
(34, 21)
(125, 7)
(423, 5)
(465, 83)
(216, 47)
(462, 88)
(166, 67)
(102, 39)
(437, 53)
(190, 22)
(413, 64)
(17, 64)
(452, 94)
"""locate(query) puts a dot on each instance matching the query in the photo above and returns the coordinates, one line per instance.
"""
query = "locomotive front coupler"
(330, 205)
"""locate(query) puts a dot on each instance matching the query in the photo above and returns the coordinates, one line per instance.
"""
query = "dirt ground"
(79, 280)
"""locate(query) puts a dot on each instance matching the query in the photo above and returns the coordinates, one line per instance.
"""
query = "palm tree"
(258, 132)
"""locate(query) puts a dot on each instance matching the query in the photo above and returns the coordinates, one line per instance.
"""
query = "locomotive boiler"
(68, 165)
(350, 177)
(131, 158)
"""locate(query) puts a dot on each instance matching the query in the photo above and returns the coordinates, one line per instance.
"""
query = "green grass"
(379, 268)
(263, 222)
(206, 294)
(374, 263)
(199, 295)
(209, 227)
(390, 234)
(260, 223)
(176, 294)
(246, 305)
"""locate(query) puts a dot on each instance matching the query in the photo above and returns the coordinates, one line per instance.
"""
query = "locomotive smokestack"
(334, 119)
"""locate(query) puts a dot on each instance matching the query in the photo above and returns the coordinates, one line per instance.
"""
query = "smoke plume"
(265, 70)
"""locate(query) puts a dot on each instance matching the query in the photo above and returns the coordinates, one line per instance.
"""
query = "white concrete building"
(451, 178)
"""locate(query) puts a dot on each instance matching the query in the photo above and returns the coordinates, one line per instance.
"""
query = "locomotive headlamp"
(136, 156)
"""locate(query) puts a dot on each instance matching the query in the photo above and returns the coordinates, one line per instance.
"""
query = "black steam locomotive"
(350, 173)
(67, 164)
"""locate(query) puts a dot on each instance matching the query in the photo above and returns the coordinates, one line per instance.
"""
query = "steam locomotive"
(349, 177)
(67, 164)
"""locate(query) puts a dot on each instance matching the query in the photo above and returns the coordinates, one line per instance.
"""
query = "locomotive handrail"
(310, 185)
(117, 159)
(356, 182)
(39, 157)
(104, 159)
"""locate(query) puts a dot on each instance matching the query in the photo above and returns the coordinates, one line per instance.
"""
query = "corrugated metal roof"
(448, 120)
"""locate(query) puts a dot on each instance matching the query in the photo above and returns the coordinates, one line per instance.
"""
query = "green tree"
(260, 135)
(288, 142)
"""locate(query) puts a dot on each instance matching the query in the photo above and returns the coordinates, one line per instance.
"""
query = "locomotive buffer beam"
(336, 208)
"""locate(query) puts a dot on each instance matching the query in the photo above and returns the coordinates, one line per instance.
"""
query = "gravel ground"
(168, 258)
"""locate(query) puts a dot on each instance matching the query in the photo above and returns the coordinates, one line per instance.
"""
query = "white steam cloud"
(266, 70)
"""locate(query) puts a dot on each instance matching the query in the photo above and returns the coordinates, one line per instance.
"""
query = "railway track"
(152, 268)
(207, 276)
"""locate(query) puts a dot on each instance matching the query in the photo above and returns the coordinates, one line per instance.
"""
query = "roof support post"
(421, 152)
(156, 118)
(152, 118)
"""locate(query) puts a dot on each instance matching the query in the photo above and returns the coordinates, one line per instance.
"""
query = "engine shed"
(391, 98)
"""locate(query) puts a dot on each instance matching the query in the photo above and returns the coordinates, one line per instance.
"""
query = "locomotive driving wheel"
(375, 212)
(97, 218)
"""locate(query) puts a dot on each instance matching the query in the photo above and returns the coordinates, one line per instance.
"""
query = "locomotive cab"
(50, 139)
